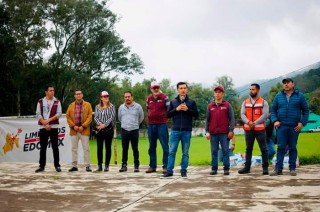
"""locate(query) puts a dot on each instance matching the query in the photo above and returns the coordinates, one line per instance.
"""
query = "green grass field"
(199, 154)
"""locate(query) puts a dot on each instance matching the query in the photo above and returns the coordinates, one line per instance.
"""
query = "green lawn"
(308, 150)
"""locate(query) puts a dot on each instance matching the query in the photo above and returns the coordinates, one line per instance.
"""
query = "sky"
(199, 40)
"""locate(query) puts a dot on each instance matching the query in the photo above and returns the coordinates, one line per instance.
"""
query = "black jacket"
(182, 120)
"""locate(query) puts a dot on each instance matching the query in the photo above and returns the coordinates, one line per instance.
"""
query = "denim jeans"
(215, 139)
(261, 138)
(271, 148)
(286, 136)
(175, 137)
(220, 154)
(156, 131)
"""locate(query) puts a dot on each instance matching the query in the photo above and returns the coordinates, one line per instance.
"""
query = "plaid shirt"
(77, 114)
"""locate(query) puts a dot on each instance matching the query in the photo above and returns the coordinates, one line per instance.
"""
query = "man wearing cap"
(157, 106)
(182, 110)
(130, 115)
(219, 129)
(289, 113)
(254, 111)
(79, 117)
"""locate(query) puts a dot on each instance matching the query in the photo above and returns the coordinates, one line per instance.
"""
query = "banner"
(19, 141)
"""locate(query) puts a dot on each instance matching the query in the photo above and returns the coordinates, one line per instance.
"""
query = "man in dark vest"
(48, 112)
(219, 127)
(157, 106)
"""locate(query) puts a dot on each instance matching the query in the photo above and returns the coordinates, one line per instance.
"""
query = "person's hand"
(184, 107)
(80, 129)
(47, 127)
(277, 124)
(45, 121)
(298, 127)
(230, 135)
(76, 128)
(232, 147)
(251, 124)
(208, 136)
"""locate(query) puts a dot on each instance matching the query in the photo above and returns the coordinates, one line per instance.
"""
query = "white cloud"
(197, 41)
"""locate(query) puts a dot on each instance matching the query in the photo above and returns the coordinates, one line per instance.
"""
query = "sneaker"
(244, 171)
(275, 172)
(88, 169)
(226, 172)
(106, 168)
(73, 169)
(58, 168)
(293, 172)
(40, 169)
(136, 169)
(150, 170)
(184, 174)
(123, 169)
(166, 175)
(265, 172)
(213, 172)
(99, 168)
(164, 170)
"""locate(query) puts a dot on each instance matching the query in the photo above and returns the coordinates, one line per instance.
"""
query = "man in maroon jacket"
(157, 105)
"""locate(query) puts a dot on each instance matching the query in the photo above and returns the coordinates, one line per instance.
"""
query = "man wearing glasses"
(79, 117)
(157, 106)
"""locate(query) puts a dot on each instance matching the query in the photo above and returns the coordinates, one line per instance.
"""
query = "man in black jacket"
(182, 110)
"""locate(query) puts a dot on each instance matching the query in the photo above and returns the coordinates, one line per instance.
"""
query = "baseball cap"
(287, 80)
(104, 93)
(154, 85)
(219, 87)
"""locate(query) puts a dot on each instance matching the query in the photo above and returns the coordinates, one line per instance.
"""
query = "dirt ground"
(21, 189)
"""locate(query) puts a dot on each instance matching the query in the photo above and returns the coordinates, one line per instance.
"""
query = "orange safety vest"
(253, 112)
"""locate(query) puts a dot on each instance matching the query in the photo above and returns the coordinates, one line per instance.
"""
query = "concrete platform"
(23, 190)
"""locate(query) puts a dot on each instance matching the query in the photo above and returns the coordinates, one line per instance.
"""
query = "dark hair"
(78, 90)
(128, 92)
(47, 87)
(256, 85)
(181, 83)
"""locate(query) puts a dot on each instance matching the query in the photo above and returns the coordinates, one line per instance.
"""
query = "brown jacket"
(85, 120)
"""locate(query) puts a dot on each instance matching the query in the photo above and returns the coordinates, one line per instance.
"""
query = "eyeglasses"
(78, 93)
(155, 88)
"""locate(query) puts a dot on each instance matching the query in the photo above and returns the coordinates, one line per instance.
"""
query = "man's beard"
(254, 95)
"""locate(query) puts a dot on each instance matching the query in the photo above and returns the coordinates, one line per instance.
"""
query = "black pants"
(107, 139)
(44, 137)
(261, 138)
(128, 136)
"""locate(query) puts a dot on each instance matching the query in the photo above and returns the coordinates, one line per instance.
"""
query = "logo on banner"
(11, 140)
(32, 139)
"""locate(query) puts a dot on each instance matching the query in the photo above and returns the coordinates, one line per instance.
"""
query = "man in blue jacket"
(182, 110)
(289, 113)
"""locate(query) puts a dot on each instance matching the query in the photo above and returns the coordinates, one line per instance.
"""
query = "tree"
(273, 92)
(86, 45)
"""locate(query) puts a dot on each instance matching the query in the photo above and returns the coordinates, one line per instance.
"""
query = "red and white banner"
(19, 141)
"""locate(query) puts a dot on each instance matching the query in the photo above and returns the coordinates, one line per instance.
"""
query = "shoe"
(164, 170)
(293, 172)
(88, 169)
(123, 169)
(106, 168)
(166, 175)
(99, 168)
(184, 174)
(275, 172)
(265, 172)
(73, 169)
(226, 172)
(40, 169)
(136, 169)
(244, 171)
(150, 170)
(213, 172)
(58, 168)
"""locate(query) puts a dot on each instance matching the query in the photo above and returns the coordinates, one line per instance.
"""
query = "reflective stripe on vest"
(253, 112)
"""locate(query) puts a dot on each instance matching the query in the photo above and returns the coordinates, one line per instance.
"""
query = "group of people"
(289, 113)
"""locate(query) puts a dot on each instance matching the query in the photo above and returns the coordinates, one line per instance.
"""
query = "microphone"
(182, 98)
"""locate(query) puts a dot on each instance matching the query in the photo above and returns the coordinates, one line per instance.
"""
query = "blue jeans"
(156, 131)
(287, 136)
(215, 139)
(220, 155)
(271, 148)
(175, 138)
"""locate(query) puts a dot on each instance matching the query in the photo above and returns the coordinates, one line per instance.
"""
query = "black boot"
(123, 168)
(106, 168)
(245, 170)
(99, 168)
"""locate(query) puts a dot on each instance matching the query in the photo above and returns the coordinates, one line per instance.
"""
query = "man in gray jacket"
(130, 114)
